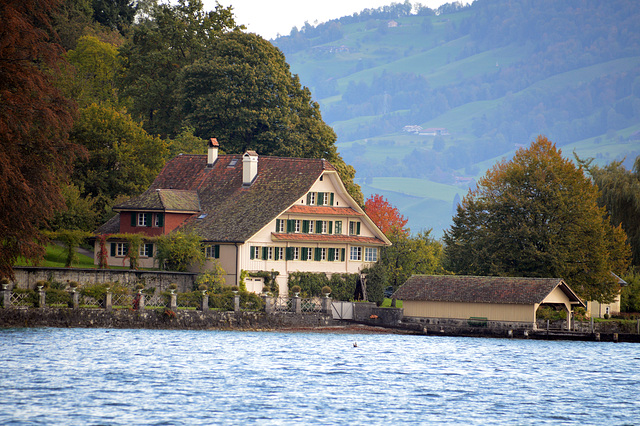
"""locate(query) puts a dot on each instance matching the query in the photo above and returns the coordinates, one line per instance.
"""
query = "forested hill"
(425, 101)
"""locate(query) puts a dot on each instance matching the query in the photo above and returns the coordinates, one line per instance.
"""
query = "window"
(280, 225)
(296, 227)
(213, 251)
(354, 228)
(370, 254)
(323, 254)
(324, 227)
(121, 249)
(311, 198)
(159, 220)
(338, 227)
(356, 253)
(309, 253)
(296, 253)
(279, 253)
(269, 255)
(145, 250)
(336, 255)
(325, 199)
(255, 252)
(142, 219)
(311, 224)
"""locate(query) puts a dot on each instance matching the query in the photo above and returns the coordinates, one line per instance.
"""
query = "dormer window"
(311, 199)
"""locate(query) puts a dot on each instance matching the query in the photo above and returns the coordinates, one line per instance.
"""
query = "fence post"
(142, 300)
(173, 302)
(205, 302)
(268, 304)
(326, 305)
(42, 295)
(236, 303)
(107, 300)
(6, 297)
(75, 299)
(296, 305)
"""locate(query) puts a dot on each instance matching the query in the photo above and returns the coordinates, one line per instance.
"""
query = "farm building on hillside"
(496, 299)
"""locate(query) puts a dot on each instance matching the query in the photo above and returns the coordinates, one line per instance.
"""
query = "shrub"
(326, 289)
(191, 299)
(310, 283)
(56, 296)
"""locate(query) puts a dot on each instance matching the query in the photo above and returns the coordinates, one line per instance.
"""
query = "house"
(596, 309)
(257, 214)
(498, 299)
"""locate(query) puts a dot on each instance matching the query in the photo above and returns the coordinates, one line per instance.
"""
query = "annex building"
(497, 299)
(252, 213)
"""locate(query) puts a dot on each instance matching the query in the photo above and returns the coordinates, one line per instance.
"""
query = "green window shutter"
(318, 227)
(148, 217)
(318, 254)
(134, 218)
(216, 251)
(252, 251)
(304, 253)
(342, 252)
(332, 254)
(276, 253)
(290, 226)
(149, 249)
(320, 198)
(357, 228)
(277, 225)
(331, 227)
(331, 199)
(113, 249)
(305, 226)
(160, 220)
(289, 253)
(308, 198)
(265, 252)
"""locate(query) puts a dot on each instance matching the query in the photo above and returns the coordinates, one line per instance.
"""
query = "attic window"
(202, 216)
(321, 177)
(233, 162)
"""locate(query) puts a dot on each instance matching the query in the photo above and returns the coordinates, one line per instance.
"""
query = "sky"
(269, 18)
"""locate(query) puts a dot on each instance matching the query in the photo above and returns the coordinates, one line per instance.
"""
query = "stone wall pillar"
(173, 302)
(204, 306)
(326, 305)
(6, 298)
(268, 304)
(42, 296)
(142, 301)
(75, 299)
(236, 303)
(107, 301)
(296, 304)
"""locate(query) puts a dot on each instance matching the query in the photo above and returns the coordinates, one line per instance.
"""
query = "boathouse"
(512, 300)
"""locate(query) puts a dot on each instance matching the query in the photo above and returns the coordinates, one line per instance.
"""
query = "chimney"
(249, 167)
(213, 152)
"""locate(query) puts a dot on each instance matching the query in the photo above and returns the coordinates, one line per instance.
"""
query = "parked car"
(388, 292)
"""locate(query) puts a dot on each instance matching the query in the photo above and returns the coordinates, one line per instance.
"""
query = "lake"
(158, 377)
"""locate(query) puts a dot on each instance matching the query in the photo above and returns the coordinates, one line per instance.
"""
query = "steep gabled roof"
(163, 199)
(231, 212)
(469, 289)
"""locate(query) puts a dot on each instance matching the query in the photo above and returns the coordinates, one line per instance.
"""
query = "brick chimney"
(213, 152)
(249, 167)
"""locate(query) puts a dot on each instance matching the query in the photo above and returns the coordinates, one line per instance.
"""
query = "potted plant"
(326, 290)
(296, 290)
(234, 289)
(73, 285)
(265, 289)
(173, 287)
(4, 282)
(41, 285)
(139, 287)
(203, 288)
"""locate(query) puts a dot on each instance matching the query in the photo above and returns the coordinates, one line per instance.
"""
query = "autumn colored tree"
(385, 215)
(537, 216)
(35, 155)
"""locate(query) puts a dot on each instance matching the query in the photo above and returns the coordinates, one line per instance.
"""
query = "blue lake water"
(98, 376)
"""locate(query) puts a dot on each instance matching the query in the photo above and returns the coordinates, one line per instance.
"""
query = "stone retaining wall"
(27, 276)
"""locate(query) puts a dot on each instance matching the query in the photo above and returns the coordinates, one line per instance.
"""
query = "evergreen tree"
(537, 216)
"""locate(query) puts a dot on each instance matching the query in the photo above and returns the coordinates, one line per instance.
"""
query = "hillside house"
(253, 213)
(596, 309)
(510, 300)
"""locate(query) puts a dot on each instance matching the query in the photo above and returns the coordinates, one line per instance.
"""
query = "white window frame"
(142, 250)
(257, 255)
(280, 253)
(336, 255)
(281, 224)
(370, 254)
(312, 224)
(355, 253)
(323, 253)
(325, 199)
(296, 253)
(142, 219)
(312, 198)
(310, 253)
(156, 221)
(269, 253)
(337, 229)
(324, 227)
(210, 251)
(121, 249)
(296, 226)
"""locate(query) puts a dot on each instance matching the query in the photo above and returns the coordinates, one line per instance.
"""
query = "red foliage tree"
(35, 119)
(385, 215)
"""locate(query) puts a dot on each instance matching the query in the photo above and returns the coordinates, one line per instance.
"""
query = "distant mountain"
(425, 101)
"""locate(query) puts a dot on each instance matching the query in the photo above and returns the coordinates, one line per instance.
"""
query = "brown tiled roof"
(323, 210)
(235, 212)
(327, 238)
(112, 226)
(467, 289)
(163, 199)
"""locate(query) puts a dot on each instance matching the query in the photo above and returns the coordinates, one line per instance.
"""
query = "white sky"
(270, 17)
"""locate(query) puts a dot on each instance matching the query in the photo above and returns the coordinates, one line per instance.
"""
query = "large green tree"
(35, 155)
(620, 194)
(167, 39)
(537, 216)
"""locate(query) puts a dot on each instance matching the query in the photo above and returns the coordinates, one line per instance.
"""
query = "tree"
(123, 158)
(385, 216)
(537, 216)
(35, 154)
(620, 195)
(166, 40)
(179, 251)
(115, 14)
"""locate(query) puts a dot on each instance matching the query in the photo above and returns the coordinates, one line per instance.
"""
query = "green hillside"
(494, 75)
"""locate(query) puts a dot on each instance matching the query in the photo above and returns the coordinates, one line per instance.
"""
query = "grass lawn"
(387, 303)
(55, 257)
